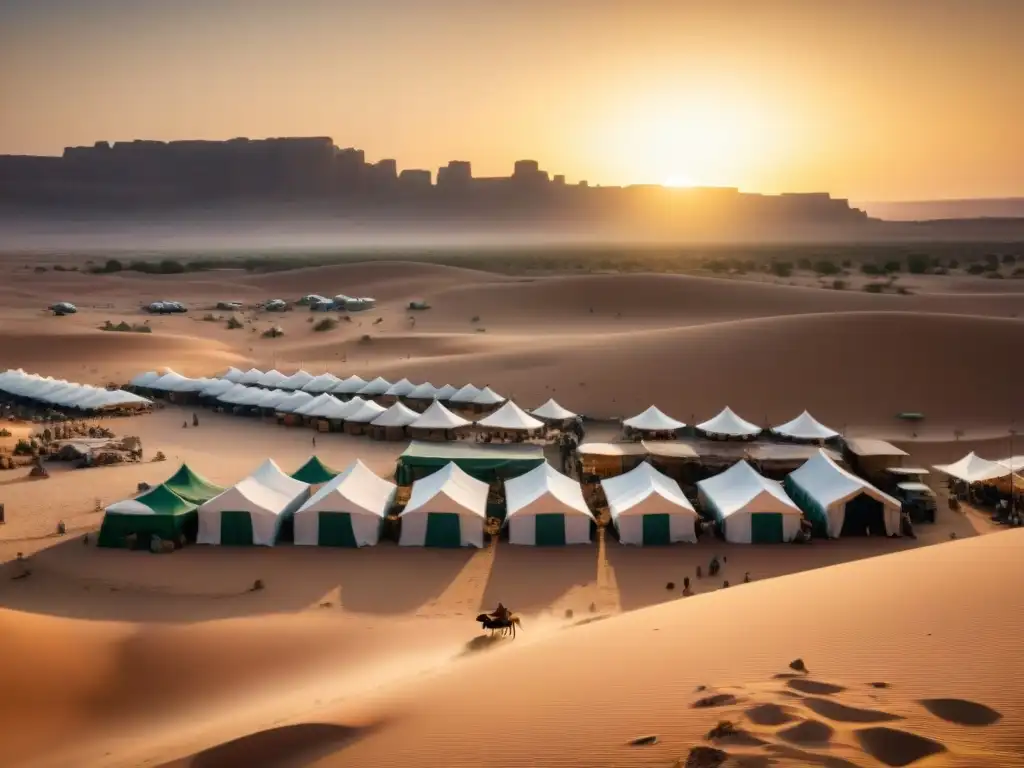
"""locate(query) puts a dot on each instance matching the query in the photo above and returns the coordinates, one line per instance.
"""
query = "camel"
(505, 625)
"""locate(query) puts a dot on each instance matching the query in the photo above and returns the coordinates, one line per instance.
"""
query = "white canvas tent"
(272, 379)
(144, 379)
(250, 377)
(325, 382)
(439, 417)
(974, 469)
(216, 388)
(366, 413)
(465, 394)
(400, 388)
(375, 388)
(294, 401)
(552, 411)
(653, 420)
(296, 381)
(648, 507)
(445, 392)
(487, 396)
(232, 374)
(424, 391)
(751, 508)
(398, 415)
(546, 508)
(728, 424)
(348, 511)
(251, 512)
(445, 509)
(512, 418)
(349, 386)
(303, 410)
(272, 398)
(805, 427)
(331, 408)
(838, 502)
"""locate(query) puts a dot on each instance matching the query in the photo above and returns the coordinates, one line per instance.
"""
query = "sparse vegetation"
(23, 448)
(903, 291)
(994, 275)
(781, 268)
(210, 318)
(327, 324)
(918, 264)
(475, 319)
(365, 339)
(892, 266)
(825, 267)
(39, 269)
(273, 333)
(839, 285)
(234, 323)
(874, 287)
(124, 327)
(976, 269)
(5, 432)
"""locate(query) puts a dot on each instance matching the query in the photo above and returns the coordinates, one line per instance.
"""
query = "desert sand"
(119, 658)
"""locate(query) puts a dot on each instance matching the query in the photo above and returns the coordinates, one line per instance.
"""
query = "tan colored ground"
(128, 659)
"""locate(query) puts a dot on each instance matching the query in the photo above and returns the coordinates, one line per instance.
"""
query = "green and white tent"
(546, 508)
(314, 472)
(649, 508)
(252, 511)
(157, 512)
(751, 508)
(445, 509)
(192, 486)
(348, 511)
(839, 503)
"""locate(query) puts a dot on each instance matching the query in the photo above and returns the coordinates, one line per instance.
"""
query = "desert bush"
(871, 268)
(804, 264)
(142, 328)
(994, 276)
(903, 291)
(272, 333)
(365, 339)
(825, 267)
(716, 265)
(918, 264)
(976, 269)
(781, 268)
(5, 432)
(1008, 258)
(234, 322)
(892, 266)
(23, 448)
(838, 285)
(874, 287)
(210, 318)
(847, 263)
(327, 324)
(953, 264)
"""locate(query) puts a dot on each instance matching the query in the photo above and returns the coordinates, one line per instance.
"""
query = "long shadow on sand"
(530, 579)
(204, 583)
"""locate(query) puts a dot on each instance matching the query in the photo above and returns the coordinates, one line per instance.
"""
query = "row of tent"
(728, 424)
(974, 469)
(66, 394)
(449, 508)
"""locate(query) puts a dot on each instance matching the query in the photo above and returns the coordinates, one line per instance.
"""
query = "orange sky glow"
(871, 100)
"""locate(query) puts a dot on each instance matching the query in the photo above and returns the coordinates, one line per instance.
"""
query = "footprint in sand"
(896, 748)
(814, 687)
(770, 715)
(809, 733)
(833, 710)
(961, 712)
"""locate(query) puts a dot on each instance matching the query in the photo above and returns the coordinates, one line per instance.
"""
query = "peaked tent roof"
(375, 388)
(439, 417)
(626, 491)
(293, 401)
(325, 382)
(314, 472)
(466, 492)
(424, 391)
(488, 396)
(827, 482)
(400, 388)
(728, 423)
(974, 469)
(805, 427)
(191, 486)
(271, 378)
(272, 398)
(144, 379)
(544, 481)
(170, 381)
(731, 491)
(232, 374)
(217, 387)
(160, 500)
(331, 408)
(297, 380)
(250, 377)
(314, 402)
(272, 476)
(366, 413)
(253, 397)
(653, 420)
(1015, 463)
(553, 411)
(510, 416)
(354, 490)
(398, 415)
(445, 392)
(465, 394)
(349, 386)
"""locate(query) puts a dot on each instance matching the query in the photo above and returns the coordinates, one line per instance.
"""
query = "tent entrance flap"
(864, 516)
(657, 530)
(444, 529)
(335, 530)
(550, 530)
(236, 529)
(766, 528)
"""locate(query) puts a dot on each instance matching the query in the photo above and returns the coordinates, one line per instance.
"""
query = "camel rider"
(501, 613)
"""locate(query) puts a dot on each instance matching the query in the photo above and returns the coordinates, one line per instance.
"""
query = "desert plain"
(910, 648)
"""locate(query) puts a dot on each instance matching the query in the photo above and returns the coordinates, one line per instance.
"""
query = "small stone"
(797, 665)
(670, 586)
(644, 741)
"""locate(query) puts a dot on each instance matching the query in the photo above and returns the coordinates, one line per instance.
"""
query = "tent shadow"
(201, 583)
(531, 579)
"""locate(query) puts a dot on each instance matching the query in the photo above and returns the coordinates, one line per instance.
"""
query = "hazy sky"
(867, 99)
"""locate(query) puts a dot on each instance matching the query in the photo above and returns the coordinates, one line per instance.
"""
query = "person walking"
(314, 441)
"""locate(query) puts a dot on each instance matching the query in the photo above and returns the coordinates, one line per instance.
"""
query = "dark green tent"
(480, 460)
(314, 472)
(192, 486)
(157, 512)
